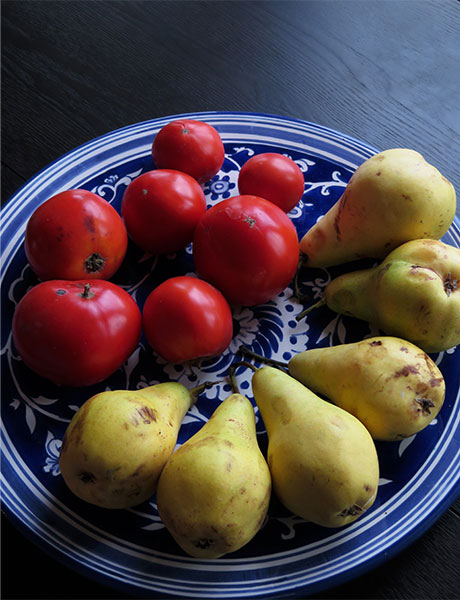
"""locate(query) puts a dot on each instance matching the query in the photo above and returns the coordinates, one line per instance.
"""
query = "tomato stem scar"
(95, 263)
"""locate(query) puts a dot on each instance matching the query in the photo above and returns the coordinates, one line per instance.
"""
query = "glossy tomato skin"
(186, 318)
(76, 333)
(246, 247)
(274, 177)
(76, 234)
(161, 208)
(190, 146)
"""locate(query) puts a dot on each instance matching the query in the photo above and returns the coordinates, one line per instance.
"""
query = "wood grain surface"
(385, 72)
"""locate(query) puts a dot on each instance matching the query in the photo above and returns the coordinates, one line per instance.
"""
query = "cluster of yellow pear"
(213, 492)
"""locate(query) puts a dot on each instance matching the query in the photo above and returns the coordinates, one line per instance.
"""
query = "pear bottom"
(326, 489)
(209, 521)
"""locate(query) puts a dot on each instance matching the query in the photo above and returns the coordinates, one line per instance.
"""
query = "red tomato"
(75, 235)
(76, 333)
(193, 147)
(186, 318)
(161, 209)
(248, 248)
(273, 176)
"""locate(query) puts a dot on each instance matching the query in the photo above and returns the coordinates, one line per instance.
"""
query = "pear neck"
(353, 293)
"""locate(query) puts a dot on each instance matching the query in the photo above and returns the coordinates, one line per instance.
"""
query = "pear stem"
(297, 293)
(196, 391)
(231, 373)
(264, 359)
(305, 312)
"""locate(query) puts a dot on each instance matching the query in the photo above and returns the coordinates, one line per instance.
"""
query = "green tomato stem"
(87, 293)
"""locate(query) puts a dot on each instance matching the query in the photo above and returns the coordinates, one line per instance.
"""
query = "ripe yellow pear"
(118, 442)
(413, 294)
(323, 461)
(393, 197)
(390, 385)
(214, 491)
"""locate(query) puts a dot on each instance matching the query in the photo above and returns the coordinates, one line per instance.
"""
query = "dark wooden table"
(385, 72)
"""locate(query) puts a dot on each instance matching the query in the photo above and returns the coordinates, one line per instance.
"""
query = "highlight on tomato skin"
(187, 319)
(191, 146)
(248, 248)
(161, 209)
(272, 176)
(73, 235)
(76, 333)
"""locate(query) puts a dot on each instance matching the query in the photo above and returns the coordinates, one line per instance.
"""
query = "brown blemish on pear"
(406, 370)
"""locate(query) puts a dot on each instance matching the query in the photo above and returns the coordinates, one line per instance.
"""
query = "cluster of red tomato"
(245, 252)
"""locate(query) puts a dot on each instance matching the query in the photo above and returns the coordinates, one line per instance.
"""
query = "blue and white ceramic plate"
(130, 549)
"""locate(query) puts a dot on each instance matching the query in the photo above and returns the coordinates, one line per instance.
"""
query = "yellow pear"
(214, 491)
(323, 461)
(393, 197)
(413, 294)
(118, 442)
(390, 385)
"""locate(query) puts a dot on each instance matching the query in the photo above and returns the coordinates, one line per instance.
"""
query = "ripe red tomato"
(75, 235)
(246, 247)
(161, 209)
(273, 176)
(76, 333)
(193, 147)
(186, 318)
